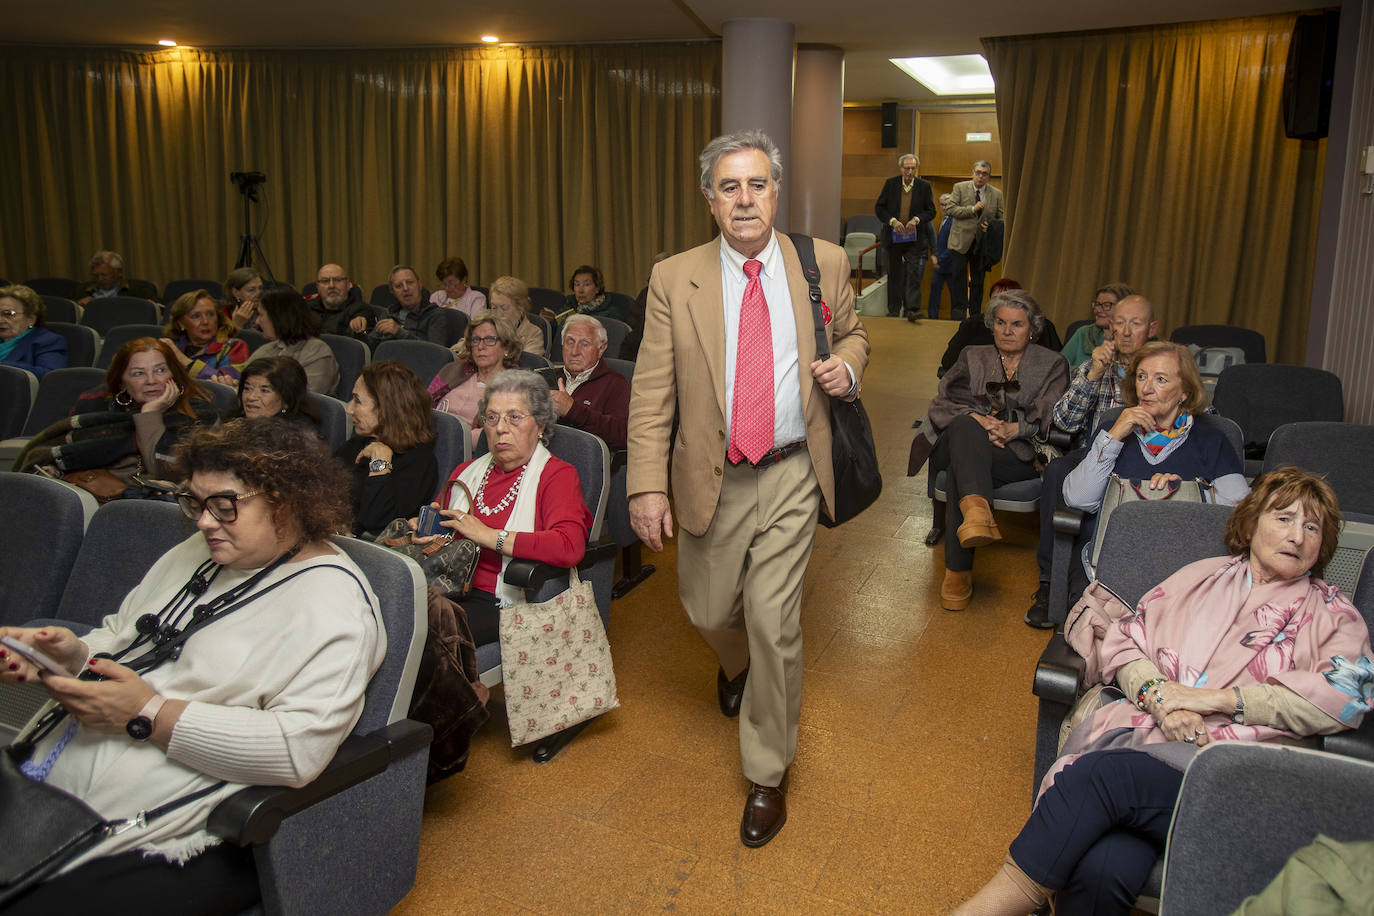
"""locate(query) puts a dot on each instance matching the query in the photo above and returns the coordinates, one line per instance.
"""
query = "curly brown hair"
(1279, 489)
(289, 463)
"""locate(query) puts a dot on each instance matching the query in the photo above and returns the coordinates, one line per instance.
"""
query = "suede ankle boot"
(978, 528)
(957, 589)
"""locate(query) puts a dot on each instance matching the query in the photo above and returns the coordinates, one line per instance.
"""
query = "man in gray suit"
(974, 204)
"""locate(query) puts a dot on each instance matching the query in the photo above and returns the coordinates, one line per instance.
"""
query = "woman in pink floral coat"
(1250, 647)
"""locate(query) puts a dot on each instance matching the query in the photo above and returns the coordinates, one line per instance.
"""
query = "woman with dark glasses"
(240, 659)
(980, 427)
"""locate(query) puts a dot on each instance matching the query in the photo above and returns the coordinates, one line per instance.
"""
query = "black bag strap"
(806, 253)
(159, 654)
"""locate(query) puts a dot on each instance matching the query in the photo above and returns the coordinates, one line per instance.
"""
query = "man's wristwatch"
(140, 727)
(380, 466)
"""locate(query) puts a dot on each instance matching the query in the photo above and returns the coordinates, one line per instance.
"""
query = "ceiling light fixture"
(491, 39)
(961, 74)
(167, 42)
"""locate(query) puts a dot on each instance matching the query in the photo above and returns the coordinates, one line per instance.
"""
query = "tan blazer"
(681, 367)
(967, 224)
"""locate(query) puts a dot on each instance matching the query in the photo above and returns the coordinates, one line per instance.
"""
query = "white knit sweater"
(274, 687)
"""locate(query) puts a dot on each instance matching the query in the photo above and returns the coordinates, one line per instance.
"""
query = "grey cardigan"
(1043, 374)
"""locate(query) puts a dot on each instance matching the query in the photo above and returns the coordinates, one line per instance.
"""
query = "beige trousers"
(741, 584)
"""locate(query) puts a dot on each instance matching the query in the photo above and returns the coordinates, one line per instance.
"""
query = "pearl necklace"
(509, 498)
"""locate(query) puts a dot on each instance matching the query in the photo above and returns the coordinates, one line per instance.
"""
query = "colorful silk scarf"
(1159, 438)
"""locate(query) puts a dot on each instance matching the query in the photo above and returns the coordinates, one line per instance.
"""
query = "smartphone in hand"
(39, 658)
(429, 523)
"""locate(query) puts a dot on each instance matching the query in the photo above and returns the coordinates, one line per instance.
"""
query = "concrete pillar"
(813, 190)
(756, 86)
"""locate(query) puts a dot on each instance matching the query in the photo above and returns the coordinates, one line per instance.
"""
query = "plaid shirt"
(1085, 399)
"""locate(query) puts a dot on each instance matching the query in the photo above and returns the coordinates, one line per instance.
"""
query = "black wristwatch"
(140, 727)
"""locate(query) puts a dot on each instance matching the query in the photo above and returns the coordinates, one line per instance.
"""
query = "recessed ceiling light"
(167, 42)
(491, 39)
(961, 74)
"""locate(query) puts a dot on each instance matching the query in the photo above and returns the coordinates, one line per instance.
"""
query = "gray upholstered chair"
(60, 308)
(18, 390)
(119, 335)
(452, 443)
(351, 354)
(533, 361)
(103, 314)
(1262, 397)
(334, 426)
(1245, 808)
(1338, 451)
(82, 342)
(46, 522)
(349, 842)
(425, 359)
(57, 394)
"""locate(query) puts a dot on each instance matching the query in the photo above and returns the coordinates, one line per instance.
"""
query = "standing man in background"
(730, 348)
(973, 205)
(905, 207)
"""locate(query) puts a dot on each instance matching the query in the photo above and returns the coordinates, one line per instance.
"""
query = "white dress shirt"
(788, 423)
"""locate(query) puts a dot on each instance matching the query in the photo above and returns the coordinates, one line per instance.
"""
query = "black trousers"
(906, 266)
(966, 299)
(973, 466)
(484, 615)
(1095, 834)
(221, 880)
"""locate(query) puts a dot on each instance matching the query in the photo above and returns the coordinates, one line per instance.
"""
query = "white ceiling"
(870, 31)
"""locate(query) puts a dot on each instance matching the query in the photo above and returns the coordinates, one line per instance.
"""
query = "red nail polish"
(20, 679)
(91, 662)
(14, 666)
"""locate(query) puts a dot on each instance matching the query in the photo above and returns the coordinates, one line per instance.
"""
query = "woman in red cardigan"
(525, 502)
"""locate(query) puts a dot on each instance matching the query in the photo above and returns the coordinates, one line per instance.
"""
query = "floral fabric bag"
(556, 663)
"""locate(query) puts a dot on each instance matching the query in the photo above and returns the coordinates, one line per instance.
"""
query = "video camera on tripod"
(248, 184)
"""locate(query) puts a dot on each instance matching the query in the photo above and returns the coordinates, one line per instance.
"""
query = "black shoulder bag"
(852, 453)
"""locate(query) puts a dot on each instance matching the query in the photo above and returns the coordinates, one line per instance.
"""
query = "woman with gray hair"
(979, 429)
(525, 502)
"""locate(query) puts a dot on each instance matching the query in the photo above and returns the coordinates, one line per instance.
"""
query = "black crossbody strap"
(806, 253)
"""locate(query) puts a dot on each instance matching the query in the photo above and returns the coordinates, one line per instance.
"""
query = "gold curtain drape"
(527, 161)
(1157, 156)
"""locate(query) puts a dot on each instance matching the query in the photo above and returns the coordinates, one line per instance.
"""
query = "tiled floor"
(914, 760)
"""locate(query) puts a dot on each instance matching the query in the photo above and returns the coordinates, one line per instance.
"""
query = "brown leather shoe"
(957, 589)
(765, 811)
(978, 528)
(730, 693)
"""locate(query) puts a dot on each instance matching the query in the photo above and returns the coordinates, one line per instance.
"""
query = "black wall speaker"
(889, 125)
(1307, 77)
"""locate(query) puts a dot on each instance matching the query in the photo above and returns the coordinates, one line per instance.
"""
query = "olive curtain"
(528, 161)
(1157, 156)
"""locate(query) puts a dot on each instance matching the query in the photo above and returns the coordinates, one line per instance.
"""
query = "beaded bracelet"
(1144, 690)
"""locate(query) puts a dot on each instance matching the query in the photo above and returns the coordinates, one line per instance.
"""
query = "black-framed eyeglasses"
(485, 341)
(223, 507)
(1101, 305)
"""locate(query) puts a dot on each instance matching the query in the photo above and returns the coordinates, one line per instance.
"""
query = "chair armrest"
(527, 574)
(1358, 743)
(619, 458)
(1059, 673)
(1068, 521)
(252, 815)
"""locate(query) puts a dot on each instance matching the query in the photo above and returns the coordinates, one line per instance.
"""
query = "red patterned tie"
(751, 415)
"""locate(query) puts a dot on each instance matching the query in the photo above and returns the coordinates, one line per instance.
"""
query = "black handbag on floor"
(852, 453)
